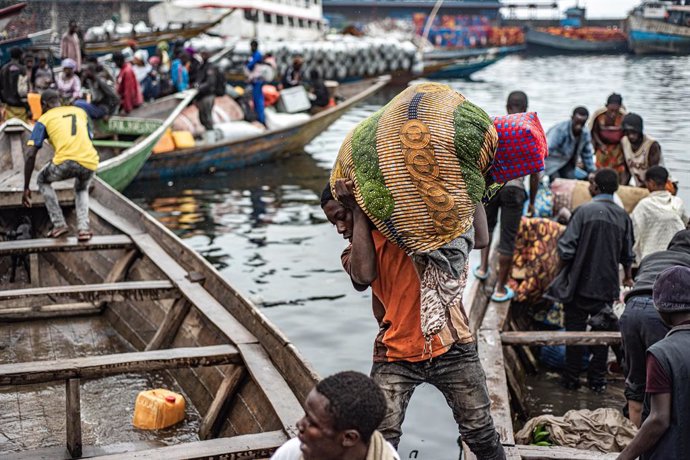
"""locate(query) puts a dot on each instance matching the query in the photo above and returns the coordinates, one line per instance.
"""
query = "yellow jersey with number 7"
(69, 132)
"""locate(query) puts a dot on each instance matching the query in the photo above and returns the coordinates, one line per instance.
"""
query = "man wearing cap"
(665, 430)
(641, 151)
(69, 133)
(641, 326)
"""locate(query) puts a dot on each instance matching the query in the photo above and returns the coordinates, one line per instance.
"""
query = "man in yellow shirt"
(69, 133)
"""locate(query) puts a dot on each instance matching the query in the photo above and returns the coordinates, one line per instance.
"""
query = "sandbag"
(188, 120)
(419, 165)
(572, 193)
(603, 429)
(225, 109)
(235, 130)
(276, 120)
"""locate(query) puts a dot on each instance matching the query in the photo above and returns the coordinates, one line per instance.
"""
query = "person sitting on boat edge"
(68, 83)
(342, 413)
(318, 93)
(640, 325)
(606, 126)
(641, 151)
(510, 201)
(293, 75)
(665, 430)
(657, 217)
(569, 141)
(598, 238)
(403, 359)
(75, 157)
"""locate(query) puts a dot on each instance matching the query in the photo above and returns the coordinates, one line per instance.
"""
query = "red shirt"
(128, 89)
(657, 379)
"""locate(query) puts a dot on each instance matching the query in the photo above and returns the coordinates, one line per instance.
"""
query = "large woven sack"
(419, 165)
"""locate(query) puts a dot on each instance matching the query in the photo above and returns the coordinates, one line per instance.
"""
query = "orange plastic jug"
(34, 100)
(183, 139)
(156, 409)
(166, 143)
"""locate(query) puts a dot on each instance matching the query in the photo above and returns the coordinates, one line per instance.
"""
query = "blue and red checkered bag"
(521, 147)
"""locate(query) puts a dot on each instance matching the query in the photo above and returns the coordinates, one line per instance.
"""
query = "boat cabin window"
(251, 15)
(301, 22)
(280, 19)
(268, 18)
(291, 21)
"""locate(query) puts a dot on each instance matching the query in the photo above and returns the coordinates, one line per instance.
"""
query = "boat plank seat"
(538, 338)
(259, 445)
(50, 311)
(562, 453)
(113, 144)
(90, 367)
(99, 242)
(109, 292)
(258, 363)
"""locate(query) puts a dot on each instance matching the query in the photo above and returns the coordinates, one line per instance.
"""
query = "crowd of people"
(136, 77)
(601, 247)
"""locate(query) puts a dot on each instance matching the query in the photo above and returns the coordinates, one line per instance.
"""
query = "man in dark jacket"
(10, 73)
(641, 326)
(598, 238)
(665, 431)
(211, 84)
(104, 100)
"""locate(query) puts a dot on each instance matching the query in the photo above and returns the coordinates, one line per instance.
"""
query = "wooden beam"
(73, 423)
(512, 453)
(537, 338)
(122, 363)
(121, 267)
(260, 445)
(171, 323)
(496, 315)
(107, 292)
(491, 356)
(562, 453)
(48, 311)
(211, 424)
(64, 244)
(273, 385)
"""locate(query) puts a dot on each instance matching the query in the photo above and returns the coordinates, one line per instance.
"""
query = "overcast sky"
(595, 8)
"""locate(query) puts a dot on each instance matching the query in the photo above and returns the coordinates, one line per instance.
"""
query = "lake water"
(263, 228)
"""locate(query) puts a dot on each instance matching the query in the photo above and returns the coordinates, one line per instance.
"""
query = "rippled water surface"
(263, 229)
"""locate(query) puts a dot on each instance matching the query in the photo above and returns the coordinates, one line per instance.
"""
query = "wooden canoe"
(541, 39)
(134, 300)
(149, 41)
(227, 155)
(147, 129)
(497, 342)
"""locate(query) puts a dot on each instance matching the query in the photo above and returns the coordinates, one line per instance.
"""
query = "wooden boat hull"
(121, 170)
(536, 38)
(172, 312)
(8, 13)
(648, 36)
(223, 156)
(457, 69)
(35, 38)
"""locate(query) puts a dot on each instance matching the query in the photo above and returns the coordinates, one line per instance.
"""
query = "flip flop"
(505, 297)
(476, 274)
(84, 235)
(57, 232)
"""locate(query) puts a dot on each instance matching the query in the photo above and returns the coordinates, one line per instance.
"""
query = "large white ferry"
(300, 20)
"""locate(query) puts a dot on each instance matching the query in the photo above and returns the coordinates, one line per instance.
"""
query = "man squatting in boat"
(401, 359)
(75, 157)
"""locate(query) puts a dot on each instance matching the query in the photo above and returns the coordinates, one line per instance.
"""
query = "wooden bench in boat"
(72, 370)
(539, 338)
(12, 188)
(109, 292)
(64, 244)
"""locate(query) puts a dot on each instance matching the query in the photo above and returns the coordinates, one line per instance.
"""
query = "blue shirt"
(257, 57)
(603, 197)
(563, 146)
(179, 75)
